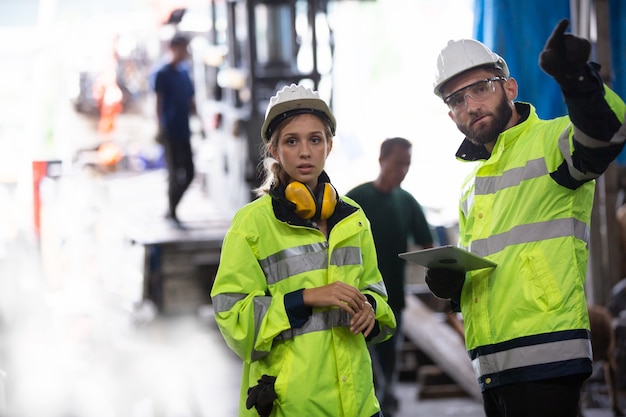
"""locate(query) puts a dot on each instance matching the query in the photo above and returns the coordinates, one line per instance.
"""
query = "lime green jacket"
(321, 368)
(527, 207)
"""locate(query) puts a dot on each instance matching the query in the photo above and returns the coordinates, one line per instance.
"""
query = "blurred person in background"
(527, 207)
(396, 217)
(175, 104)
(298, 295)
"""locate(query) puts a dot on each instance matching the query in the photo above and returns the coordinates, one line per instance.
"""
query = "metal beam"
(604, 260)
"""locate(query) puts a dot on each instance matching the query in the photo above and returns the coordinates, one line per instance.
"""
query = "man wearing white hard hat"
(526, 206)
(298, 294)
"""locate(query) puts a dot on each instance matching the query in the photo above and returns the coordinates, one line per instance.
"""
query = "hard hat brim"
(291, 101)
(282, 111)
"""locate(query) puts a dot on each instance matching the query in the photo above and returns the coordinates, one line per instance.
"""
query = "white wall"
(385, 60)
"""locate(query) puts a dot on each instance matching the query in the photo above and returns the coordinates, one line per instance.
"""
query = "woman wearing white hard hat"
(298, 295)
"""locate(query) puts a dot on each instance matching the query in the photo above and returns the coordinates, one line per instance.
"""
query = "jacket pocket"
(539, 285)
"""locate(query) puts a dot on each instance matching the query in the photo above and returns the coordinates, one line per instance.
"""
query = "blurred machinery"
(250, 49)
(242, 51)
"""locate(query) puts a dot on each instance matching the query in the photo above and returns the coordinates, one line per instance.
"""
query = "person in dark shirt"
(396, 216)
(174, 106)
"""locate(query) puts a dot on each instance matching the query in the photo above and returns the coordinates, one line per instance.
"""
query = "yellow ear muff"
(301, 195)
(326, 200)
(320, 205)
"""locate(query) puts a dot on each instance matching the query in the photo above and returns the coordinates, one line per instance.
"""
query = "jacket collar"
(469, 151)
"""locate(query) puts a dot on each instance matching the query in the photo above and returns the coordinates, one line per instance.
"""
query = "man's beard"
(500, 118)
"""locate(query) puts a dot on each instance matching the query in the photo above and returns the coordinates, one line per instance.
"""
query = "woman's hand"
(363, 320)
(337, 294)
(346, 297)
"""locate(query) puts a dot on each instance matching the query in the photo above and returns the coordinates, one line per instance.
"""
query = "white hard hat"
(292, 100)
(462, 55)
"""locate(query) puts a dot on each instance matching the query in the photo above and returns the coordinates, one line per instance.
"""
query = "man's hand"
(445, 283)
(564, 54)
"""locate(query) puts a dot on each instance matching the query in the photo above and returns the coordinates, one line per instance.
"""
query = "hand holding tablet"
(449, 256)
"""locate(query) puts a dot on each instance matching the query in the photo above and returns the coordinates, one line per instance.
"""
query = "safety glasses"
(478, 91)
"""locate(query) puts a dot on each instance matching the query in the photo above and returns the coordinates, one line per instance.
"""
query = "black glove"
(445, 283)
(564, 55)
(262, 396)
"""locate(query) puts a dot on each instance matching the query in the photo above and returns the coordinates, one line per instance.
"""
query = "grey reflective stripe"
(532, 232)
(534, 168)
(384, 332)
(349, 255)
(378, 288)
(465, 206)
(300, 259)
(226, 301)
(618, 138)
(319, 321)
(293, 261)
(564, 147)
(532, 355)
(261, 305)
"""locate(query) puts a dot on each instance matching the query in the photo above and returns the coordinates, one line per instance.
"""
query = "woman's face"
(302, 148)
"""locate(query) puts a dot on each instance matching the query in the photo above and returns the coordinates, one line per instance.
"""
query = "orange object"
(109, 154)
(40, 169)
(109, 95)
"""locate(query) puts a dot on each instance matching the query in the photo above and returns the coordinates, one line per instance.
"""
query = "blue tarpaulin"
(618, 54)
(517, 30)
(618, 45)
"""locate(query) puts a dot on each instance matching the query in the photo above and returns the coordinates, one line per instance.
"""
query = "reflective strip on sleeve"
(564, 147)
(382, 335)
(261, 305)
(618, 138)
(378, 288)
(323, 320)
(225, 302)
(326, 320)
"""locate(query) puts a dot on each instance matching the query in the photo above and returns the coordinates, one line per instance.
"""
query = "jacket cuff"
(297, 312)
(582, 83)
(376, 328)
(371, 300)
(455, 306)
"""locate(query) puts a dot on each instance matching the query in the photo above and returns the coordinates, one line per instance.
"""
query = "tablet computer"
(449, 256)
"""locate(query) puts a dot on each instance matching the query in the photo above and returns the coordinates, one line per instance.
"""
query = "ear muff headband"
(326, 200)
(320, 205)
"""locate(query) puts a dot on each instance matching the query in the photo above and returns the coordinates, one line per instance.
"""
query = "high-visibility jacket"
(321, 368)
(527, 207)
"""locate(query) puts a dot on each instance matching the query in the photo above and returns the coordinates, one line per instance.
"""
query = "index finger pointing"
(557, 33)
